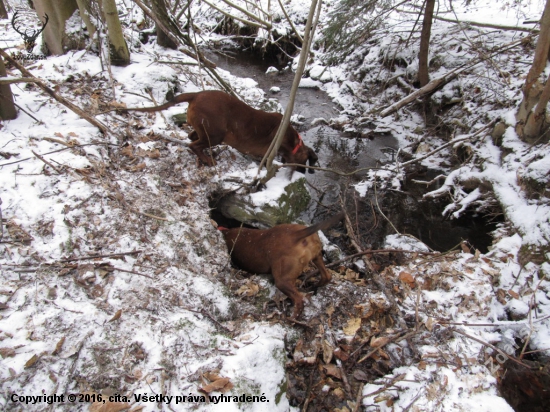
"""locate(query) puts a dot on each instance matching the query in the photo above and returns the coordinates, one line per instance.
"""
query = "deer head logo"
(29, 35)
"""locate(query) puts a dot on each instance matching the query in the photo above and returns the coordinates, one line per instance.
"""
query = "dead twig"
(324, 169)
(133, 252)
(506, 356)
(133, 272)
(208, 315)
(391, 382)
(359, 398)
(153, 216)
(46, 162)
(76, 355)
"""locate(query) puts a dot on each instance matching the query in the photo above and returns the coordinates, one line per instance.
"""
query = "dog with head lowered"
(218, 117)
(283, 251)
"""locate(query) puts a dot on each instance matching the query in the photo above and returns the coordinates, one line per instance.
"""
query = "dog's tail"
(325, 224)
(180, 98)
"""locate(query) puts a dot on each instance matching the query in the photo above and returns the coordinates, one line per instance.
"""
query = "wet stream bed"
(405, 208)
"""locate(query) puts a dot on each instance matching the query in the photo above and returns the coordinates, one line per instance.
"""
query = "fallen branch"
(477, 24)
(54, 95)
(208, 315)
(294, 29)
(451, 143)
(178, 37)
(76, 356)
(338, 172)
(501, 352)
(134, 273)
(133, 252)
(153, 216)
(28, 114)
(45, 161)
(435, 84)
(386, 385)
(12, 80)
(266, 25)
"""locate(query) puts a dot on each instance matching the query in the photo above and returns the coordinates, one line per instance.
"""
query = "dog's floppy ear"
(312, 158)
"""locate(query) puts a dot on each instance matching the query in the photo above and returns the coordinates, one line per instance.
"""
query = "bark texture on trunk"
(532, 124)
(7, 108)
(423, 54)
(120, 55)
(55, 37)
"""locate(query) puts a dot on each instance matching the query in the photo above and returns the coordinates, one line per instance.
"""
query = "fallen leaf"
(515, 295)
(338, 392)
(327, 351)
(59, 346)
(139, 167)
(221, 385)
(429, 324)
(378, 342)
(211, 376)
(249, 289)
(128, 151)
(52, 377)
(333, 370)
(341, 354)
(31, 361)
(117, 315)
(117, 105)
(407, 278)
(7, 352)
(352, 326)
(361, 376)
(330, 310)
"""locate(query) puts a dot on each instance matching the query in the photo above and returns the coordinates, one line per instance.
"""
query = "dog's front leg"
(198, 148)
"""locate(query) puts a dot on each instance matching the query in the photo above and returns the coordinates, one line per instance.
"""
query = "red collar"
(300, 143)
(221, 228)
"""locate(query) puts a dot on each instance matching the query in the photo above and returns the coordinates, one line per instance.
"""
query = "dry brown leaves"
(215, 383)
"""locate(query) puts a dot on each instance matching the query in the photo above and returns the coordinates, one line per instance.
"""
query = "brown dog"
(218, 117)
(283, 251)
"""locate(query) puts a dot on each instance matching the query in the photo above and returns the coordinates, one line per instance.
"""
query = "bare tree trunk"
(85, 8)
(3, 11)
(59, 11)
(423, 54)
(160, 10)
(120, 55)
(532, 124)
(285, 122)
(7, 108)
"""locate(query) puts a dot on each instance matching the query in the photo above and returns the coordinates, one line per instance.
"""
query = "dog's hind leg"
(285, 280)
(325, 275)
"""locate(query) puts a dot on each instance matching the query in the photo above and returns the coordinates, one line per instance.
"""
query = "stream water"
(405, 209)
